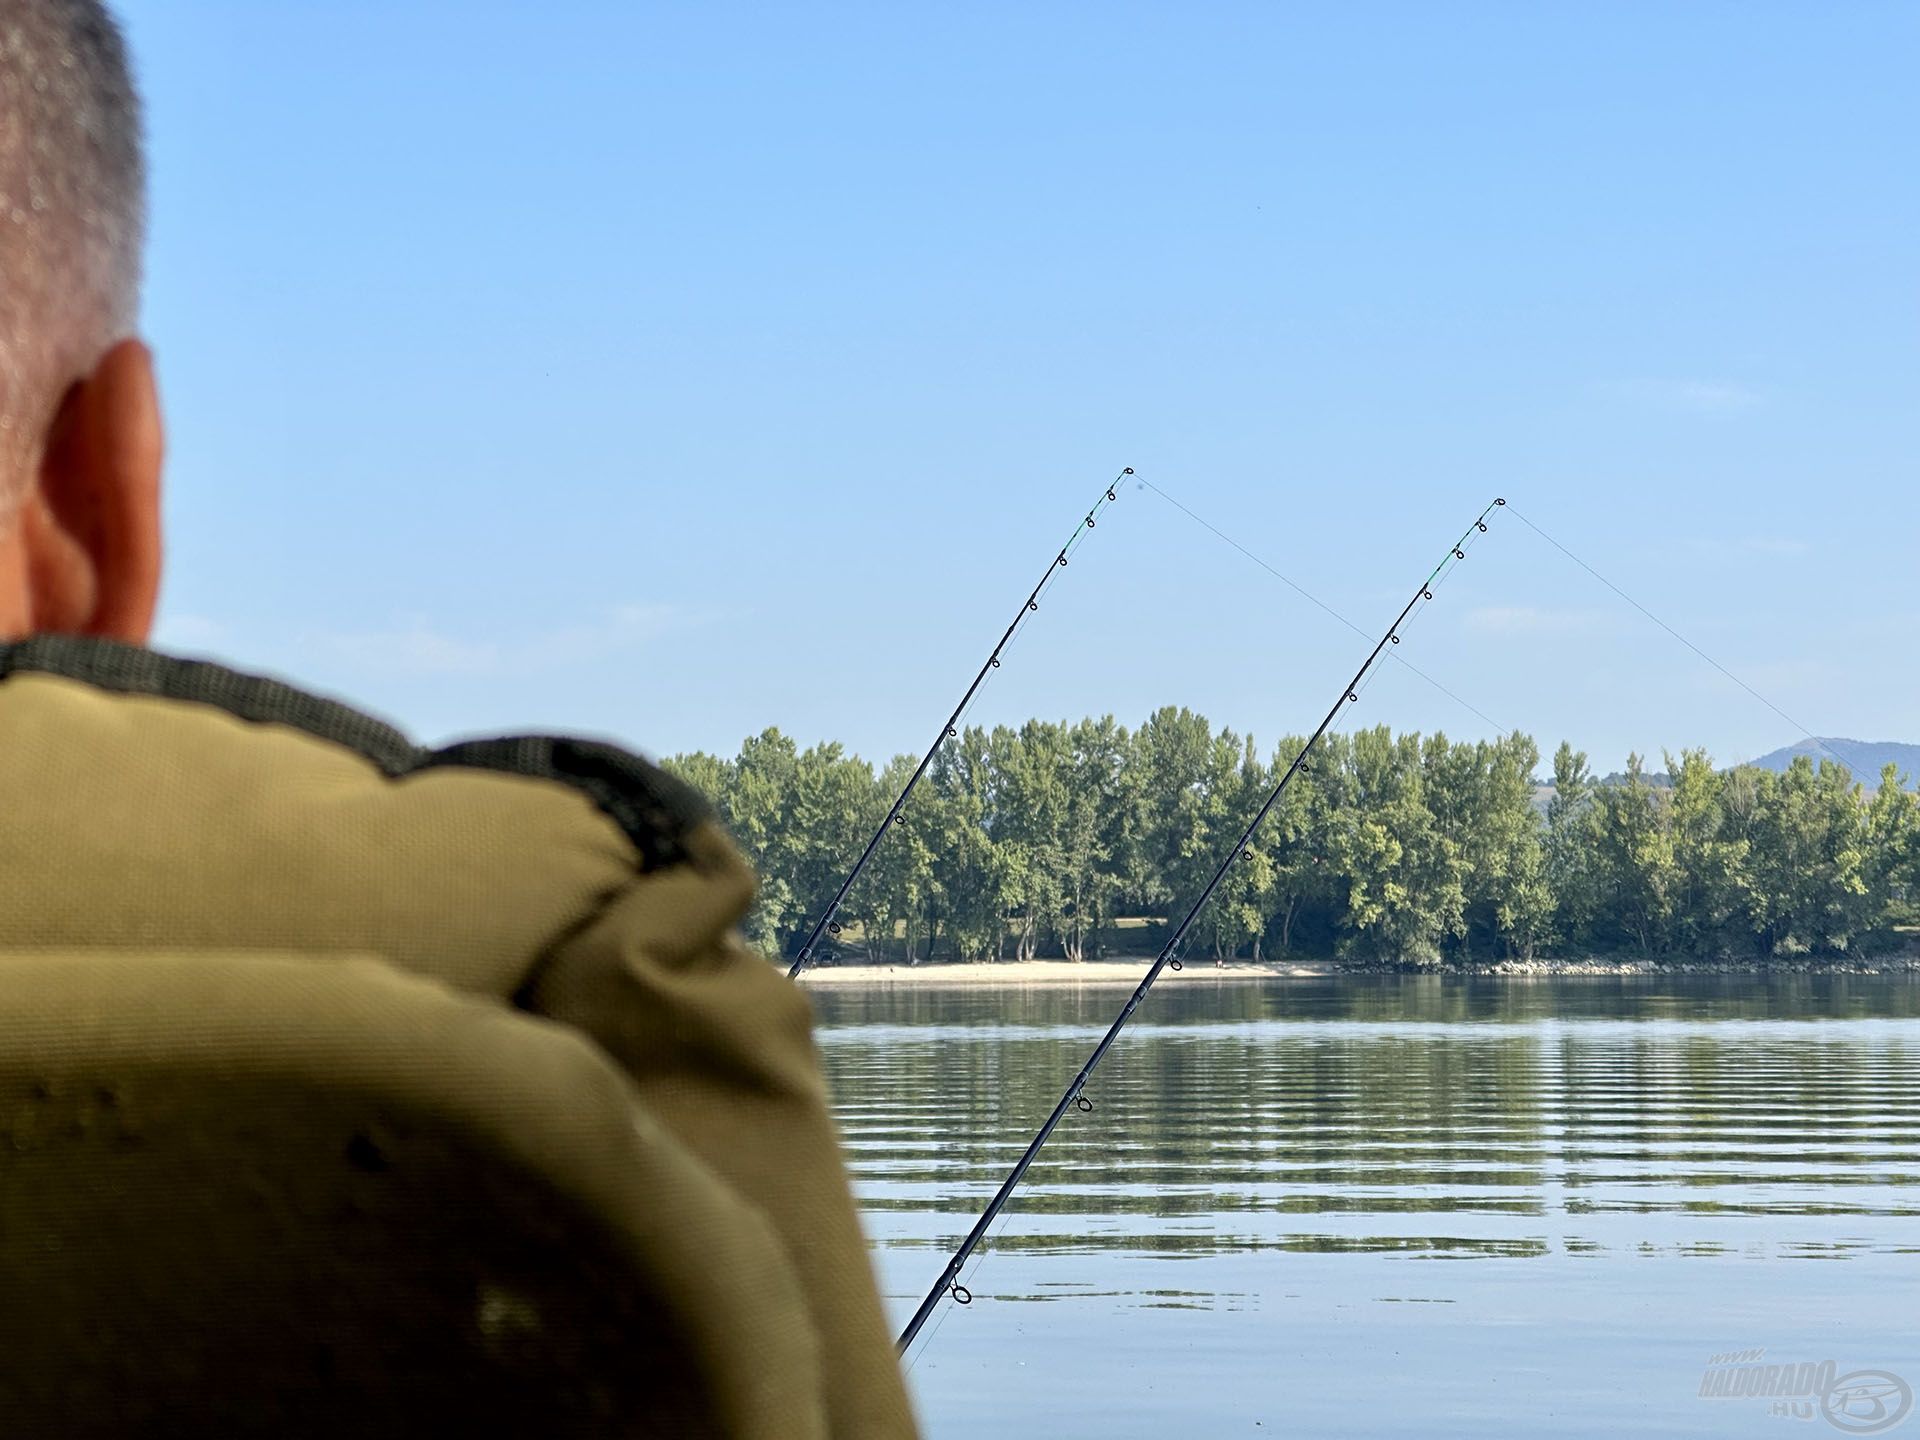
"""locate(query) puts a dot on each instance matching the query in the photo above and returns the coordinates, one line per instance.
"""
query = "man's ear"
(92, 529)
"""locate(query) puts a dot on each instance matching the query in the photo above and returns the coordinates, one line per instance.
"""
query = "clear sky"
(664, 372)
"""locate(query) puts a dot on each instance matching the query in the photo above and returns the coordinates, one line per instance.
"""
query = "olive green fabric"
(252, 1195)
(144, 813)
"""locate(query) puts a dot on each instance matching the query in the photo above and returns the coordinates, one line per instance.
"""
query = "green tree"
(1404, 892)
(1384, 848)
(801, 819)
(1481, 796)
(1569, 860)
(709, 774)
(970, 867)
(896, 892)
(1296, 839)
(1236, 914)
(1094, 831)
(1633, 861)
(1173, 756)
(1522, 898)
(1809, 859)
(1031, 804)
(1711, 887)
(1893, 849)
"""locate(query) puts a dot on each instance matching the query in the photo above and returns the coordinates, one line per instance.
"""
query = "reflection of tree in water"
(1582, 1118)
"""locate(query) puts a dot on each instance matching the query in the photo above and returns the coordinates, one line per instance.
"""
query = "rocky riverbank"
(1897, 964)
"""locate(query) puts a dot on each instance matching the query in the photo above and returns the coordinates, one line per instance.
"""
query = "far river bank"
(1126, 970)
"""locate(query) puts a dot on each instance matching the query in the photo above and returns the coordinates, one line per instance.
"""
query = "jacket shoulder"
(656, 811)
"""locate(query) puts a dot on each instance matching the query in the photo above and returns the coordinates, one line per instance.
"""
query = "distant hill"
(1658, 779)
(1865, 758)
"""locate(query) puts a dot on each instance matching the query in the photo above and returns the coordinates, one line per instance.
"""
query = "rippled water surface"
(1399, 1206)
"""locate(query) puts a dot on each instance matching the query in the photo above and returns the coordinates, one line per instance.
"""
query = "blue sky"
(665, 372)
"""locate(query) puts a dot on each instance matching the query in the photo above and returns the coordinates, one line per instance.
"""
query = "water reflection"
(1591, 1124)
(1279, 1118)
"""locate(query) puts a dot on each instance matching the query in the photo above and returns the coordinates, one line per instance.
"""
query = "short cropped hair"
(72, 214)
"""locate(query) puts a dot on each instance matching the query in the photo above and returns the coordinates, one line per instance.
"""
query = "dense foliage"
(1084, 839)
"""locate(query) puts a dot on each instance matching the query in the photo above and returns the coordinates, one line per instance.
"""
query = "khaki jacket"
(163, 804)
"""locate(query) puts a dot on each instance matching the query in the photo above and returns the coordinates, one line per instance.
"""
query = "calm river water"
(1397, 1206)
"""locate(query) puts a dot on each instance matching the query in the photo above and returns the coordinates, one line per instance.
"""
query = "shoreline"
(1126, 971)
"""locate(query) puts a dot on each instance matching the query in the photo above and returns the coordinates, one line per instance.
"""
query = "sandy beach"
(1126, 972)
(1122, 972)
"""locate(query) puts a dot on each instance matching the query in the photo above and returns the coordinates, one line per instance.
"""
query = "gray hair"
(72, 214)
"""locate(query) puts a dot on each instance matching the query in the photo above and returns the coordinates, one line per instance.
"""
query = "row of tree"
(1082, 839)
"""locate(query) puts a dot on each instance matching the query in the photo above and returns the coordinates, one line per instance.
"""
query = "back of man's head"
(72, 215)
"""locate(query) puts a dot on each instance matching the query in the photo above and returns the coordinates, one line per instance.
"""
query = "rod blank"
(1072, 1097)
(949, 729)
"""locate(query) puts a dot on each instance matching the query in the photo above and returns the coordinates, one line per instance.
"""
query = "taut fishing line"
(1302, 590)
(1074, 1096)
(1682, 639)
(950, 729)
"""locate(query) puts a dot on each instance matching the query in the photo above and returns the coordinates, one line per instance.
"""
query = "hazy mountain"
(1862, 757)
(1865, 758)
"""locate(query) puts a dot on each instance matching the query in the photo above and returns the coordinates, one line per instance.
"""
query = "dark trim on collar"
(655, 810)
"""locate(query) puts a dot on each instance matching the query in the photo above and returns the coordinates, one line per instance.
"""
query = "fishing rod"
(1073, 1098)
(826, 923)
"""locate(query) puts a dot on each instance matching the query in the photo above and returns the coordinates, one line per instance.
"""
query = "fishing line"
(1074, 1097)
(1802, 729)
(1434, 587)
(951, 728)
(962, 1293)
(1302, 590)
